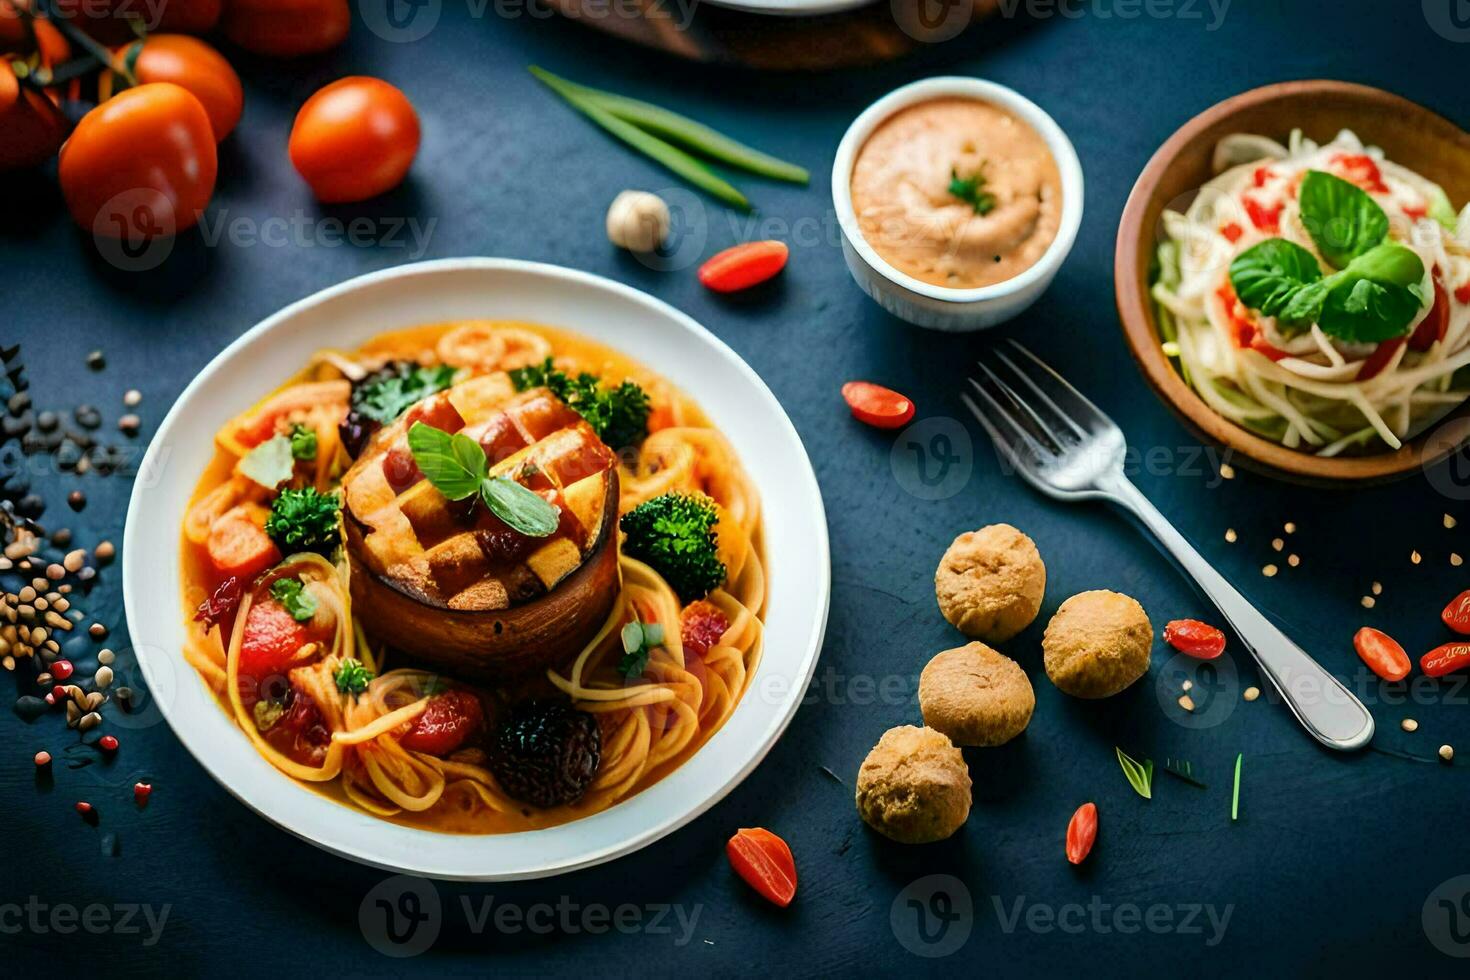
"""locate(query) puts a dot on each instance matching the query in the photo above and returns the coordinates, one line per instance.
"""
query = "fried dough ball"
(976, 696)
(914, 787)
(1097, 644)
(990, 583)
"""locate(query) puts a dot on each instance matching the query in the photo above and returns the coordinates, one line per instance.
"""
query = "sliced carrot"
(877, 406)
(765, 862)
(238, 545)
(744, 266)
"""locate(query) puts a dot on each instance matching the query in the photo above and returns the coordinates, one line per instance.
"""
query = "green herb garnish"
(1140, 774)
(675, 534)
(393, 391)
(639, 639)
(303, 442)
(971, 190)
(1235, 792)
(352, 677)
(304, 520)
(618, 415)
(1181, 769)
(291, 594)
(457, 467)
(1378, 288)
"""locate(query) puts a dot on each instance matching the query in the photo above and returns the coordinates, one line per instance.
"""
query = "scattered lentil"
(1227, 472)
(84, 808)
(1409, 725)
(1415, 557)
(1369, 602)
(76, 499)
(107, 743)
(74, 560)
(43, 758)
(1186, 702)
(61, 537)
(129, 424)
(1447, 752)
(104, 552)
(106, 657)
(1270, 571)
(1230, 535)
(1293, 560)
(1378, 588)
(1449, 522)
(89, 721)
(1277, 544)
(132, 398)
(103, 677)
(1188, 685)
(96, 361)
(1290, 527)
(87, 416)
(47, 421)
(1251, 693)
(1455, 559)
(97, 631)
(141, 792)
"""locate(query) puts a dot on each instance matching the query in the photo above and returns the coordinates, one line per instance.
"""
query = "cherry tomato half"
(874, 405)
(765, 862)
(287, 28)
(448, 719)
(1456, 615)
(1197, 639)
(191, 64)
(1382, 654)
(743, 266)
(354, 139)
(140, 165)
(33, 127)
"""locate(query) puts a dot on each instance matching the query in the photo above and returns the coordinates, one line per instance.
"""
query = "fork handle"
(1326, 708)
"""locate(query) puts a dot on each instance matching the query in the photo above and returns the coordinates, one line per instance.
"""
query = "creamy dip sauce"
(906, 212)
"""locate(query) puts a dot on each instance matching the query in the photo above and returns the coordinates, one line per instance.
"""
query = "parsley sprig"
(352, 677)
(619, 415)
(971, 190)
(291, 594)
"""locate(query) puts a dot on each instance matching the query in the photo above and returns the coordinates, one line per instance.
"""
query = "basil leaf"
(1268, 276)
(1376, 297)
(523, 510)
(1341, 218)
(454, 464)
(270, 464)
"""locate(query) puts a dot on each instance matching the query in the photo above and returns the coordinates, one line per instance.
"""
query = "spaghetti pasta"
(279, 671)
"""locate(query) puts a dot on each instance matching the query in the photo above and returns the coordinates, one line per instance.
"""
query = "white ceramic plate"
(661, 337)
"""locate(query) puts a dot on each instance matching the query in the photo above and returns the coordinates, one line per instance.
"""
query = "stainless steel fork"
(1068, 449)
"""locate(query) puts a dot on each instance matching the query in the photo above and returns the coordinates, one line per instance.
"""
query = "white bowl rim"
(434, 854)
(983, 90)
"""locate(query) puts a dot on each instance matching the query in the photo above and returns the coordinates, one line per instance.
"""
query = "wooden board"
(871, 34)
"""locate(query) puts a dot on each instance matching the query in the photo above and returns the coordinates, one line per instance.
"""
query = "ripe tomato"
(765, 862)
(354, 139)
(140, 165)
(1457, 614)
(1195, 638)
(1082, 833)
(743, 266)
(33, 127)
(1433, 327)
(1445, 659)
(109, 20)
(287, 28)
(271, 640)
(447, 721)
(193, 65)
(874, 405)
(1382, 654)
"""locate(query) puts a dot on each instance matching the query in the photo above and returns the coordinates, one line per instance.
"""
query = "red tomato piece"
(272, 638)
(1415, 212)
(701, 625)
(765, 862)
(1262, 175)
(1445, 659)
(1267, 219)
(1382, 654)
(1457, 614)
(354, 139)
(1462, 294)
(1263, 346)
(744, 266)
(874, 405)
(1082, 833)
(1195, 638)
(1232, 232)
(448, 720)
(1434, 327)
(1362, 170)
(1378, 360)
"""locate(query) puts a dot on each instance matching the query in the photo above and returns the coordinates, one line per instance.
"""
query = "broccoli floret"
(675, 534)
(304, 520)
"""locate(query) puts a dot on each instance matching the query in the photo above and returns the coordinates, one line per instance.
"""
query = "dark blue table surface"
(1332, 864)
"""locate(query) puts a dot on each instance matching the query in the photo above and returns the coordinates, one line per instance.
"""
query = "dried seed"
(96, 361)
(1277, 544)
(103, 678)
(129, 424)
(97, 631)
(1227, 472)
(1270, 571)
(1369, 602)
(89, 721)
(76, 500)
(104, 552)
(1449, 522)
(1378, 588)
(1415, 557)
(1409, 725)
(107, 743)
(74, 560)
(1186, 702)
(1455, 559)
(1251, 693)
(73, 712)
(1230, 535)
(1293, 560)
(105, 657)
(1188, 685)
(133, 397)
(1290, 527)
(43, 758)
(1447, 752)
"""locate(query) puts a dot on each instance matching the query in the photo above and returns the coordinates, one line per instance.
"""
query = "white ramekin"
(940, 307)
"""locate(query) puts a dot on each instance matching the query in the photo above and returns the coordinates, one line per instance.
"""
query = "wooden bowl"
(1408, 133)
(493, 645)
